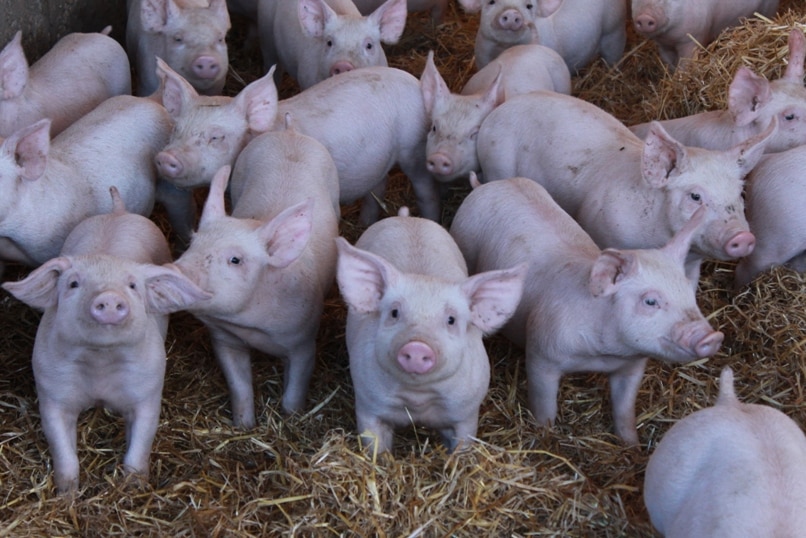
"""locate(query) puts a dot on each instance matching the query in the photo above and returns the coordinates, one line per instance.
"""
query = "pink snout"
(709, 344)
(168, 165)
(206, 67)
(109, 308)
(645, 23)
(341, 67)
(439, 164)
(740, 245)
(416, 357)
(510, 19)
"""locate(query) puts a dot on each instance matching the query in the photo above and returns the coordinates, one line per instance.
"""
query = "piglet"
(679, 27)
(503, 24)
(729, 470)
(189, 35)
(52, 185)
(582, 30)
(624, 191)
(583, 309)
(210, 132)
(775, 196)
(456, 119)
(315, 39)
(269, 265)
(71, 79)
(101, 339)
(414, 329)
(753, 102)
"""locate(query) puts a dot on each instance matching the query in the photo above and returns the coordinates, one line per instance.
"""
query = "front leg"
(141, 427)
(460, 435)
(376, 435)
(236, 364)
(59, 426)
(543, 381)
(298, 369)
(371, 205)
(624, 385)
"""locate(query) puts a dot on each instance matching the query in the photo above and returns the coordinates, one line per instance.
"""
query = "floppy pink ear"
(39, 289)
(797, 56)
(610, 268)
(13, 69)
(363, 277)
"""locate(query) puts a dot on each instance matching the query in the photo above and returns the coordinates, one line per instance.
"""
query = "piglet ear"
(494, 296)
(749, 152)
(154, 14)
(432, 85)
(797, 56)
(313, 16)
(13, 69)
(391, 19)
(39, 289)
(363, 277)
(747, 95)
(546, 8)
(215, 205)
(168, 290)
(679, 245)
(219, 8)
(258, 102)
(29, 147)
(610, 268)
(662, 156)
(287, 234)
(177, 93)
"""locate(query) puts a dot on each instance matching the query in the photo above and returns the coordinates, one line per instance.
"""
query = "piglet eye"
(73, 284)
(329, 42)
(133, 286)
(789, 117)
(235, 260)
(695, 196)
(649, 301)
(451, 320)
(395, 313)
(369, 46)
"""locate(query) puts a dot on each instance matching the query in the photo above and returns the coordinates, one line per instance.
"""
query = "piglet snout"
(341, 67)
(416, 357)
(698, 338)
(709, 345)
(511, 19)
(740, 245)
(168, 165)
(206, 67)
(645, 24)
(109, 308)
(439, 164)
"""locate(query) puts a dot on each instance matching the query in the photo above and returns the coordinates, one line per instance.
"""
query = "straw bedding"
(307, 476)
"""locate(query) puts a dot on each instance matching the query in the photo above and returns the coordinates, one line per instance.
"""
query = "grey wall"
(43, 22)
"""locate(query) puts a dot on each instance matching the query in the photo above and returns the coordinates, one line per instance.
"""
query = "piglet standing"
(101, 339)
(71, 79)
(211, 131)
(269, 265)
(315, 39)
(189, 35)
(624, 191)
(503, 24)
(753, 103)
(414, 329)
(583, 309)
(679, 27)
(52, 185)
(729, 470)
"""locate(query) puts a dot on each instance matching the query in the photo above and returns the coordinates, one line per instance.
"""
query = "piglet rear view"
(72, 78)
(729, 470)
(415, 327)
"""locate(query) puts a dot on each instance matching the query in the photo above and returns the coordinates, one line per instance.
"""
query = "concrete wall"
(43, 22)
